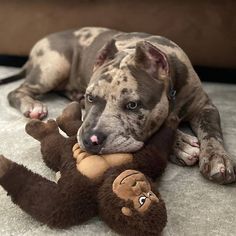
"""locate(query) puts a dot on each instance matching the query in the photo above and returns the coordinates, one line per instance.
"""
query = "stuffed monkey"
(117, 187)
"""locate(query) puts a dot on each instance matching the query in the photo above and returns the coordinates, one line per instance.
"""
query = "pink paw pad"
(37, 113)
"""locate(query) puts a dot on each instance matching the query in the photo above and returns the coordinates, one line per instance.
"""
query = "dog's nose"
(93, 142)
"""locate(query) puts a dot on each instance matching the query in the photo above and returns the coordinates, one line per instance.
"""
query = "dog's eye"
(131, 105)
(90, 98)
(142, 200)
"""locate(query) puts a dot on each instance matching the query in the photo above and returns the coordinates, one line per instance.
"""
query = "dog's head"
(126, 100)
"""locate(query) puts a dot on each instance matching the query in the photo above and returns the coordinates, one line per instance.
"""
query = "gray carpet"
(195, 206)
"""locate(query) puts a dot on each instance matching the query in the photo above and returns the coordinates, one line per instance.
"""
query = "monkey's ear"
(107, 52)
(126, 211)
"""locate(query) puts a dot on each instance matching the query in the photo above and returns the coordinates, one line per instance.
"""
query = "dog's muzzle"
(94, 141)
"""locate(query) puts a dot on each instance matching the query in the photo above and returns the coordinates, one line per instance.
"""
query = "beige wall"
(206, 30)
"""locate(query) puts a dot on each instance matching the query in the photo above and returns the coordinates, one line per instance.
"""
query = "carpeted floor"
(196, 207)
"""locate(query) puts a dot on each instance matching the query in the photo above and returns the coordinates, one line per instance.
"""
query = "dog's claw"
(37, 115)
(195, 144)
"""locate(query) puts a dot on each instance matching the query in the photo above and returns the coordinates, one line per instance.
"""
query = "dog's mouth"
(121, 145)
(113, 144)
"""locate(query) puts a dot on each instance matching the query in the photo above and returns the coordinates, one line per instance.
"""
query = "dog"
(129, 83)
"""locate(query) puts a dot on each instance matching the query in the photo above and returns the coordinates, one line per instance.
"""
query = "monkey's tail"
(20, 75)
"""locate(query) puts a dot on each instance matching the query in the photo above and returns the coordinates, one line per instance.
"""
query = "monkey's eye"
(142, 200)
(90, 98)
(131, 105)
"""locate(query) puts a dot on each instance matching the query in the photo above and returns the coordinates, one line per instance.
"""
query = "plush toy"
(117, 187)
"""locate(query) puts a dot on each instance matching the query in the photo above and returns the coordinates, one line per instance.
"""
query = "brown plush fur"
(55, 204)
(151, 223)
(76, 198)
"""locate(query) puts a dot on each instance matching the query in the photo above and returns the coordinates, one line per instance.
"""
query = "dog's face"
(126, 100)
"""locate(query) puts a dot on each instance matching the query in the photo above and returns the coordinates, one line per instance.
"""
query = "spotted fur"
(116, 68)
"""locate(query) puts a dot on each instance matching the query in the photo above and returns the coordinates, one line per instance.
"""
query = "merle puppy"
(130, 82)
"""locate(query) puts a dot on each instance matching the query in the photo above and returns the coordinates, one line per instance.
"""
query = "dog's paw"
(185, 150)
(5, 165)
(217, 167)
(34, 110)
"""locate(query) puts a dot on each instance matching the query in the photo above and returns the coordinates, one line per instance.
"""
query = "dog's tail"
(20, 75)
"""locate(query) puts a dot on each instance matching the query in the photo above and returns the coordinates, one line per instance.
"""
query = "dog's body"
(129, 81)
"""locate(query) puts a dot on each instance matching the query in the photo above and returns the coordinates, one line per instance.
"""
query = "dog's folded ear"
(107, 52)
(151, 59)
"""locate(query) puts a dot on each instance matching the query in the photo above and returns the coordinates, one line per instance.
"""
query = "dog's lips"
(79, 140)
(125, 149)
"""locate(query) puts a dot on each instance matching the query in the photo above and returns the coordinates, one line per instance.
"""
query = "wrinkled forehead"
(115, 82)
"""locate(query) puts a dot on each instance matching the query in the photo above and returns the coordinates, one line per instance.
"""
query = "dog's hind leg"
(22, 98)
(47, 70)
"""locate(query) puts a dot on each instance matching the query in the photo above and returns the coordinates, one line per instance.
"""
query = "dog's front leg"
(214, 161)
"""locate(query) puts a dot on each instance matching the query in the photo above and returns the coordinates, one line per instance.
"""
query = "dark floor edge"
(220, 75)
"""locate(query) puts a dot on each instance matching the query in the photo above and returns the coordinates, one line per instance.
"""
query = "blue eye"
(131, 105)
(90, 98)
(142, 200)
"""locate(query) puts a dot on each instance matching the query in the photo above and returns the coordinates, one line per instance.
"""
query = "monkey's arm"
(70, 119)
(71, 201)
(152, 158)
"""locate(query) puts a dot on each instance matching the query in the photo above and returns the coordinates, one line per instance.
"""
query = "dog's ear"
(150, 58)
(107, 52)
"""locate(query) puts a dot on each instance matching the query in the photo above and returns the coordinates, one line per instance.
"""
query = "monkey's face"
(133, 185)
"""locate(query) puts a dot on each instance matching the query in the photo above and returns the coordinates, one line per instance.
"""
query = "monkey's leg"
(72, 201)
(54, 147)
